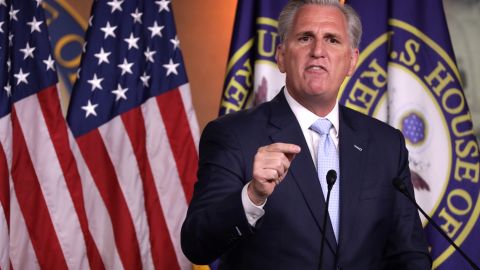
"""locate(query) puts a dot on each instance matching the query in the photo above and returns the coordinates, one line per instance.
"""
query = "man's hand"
(270, 167)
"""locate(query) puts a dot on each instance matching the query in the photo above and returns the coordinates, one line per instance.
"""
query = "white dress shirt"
(305, 118)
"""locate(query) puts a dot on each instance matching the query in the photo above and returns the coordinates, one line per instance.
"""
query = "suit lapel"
(353, 150)
(286, 129)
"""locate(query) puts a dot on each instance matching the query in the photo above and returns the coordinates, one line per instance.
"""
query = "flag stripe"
(4, 205)
(167, 181)
(50, 106)
(4, 240)
(180, 138)
(5, 163)
(4, 184)
(159, 236)
(22, 253)
(99, 221)
(51, 178)
(33, 205)
(98, 162)
(123, 159)
(190, 111)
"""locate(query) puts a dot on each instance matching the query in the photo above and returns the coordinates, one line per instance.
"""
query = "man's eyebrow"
(305, 33)
(330, 34)
(337, 36)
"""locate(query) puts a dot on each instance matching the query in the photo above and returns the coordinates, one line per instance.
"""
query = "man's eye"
(304, 39)
(332, 40)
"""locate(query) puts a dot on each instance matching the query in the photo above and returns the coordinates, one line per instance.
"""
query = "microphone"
(331, 178)
(400, 186)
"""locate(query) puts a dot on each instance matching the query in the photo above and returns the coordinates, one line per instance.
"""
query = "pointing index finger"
(286, 148)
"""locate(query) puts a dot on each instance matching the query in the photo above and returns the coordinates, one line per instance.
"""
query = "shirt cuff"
(252, 212)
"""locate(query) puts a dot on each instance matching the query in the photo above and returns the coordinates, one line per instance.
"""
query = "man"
(259, 202)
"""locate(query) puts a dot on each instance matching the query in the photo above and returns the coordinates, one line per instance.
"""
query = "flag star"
(2, 2)
(13, 13)
(84, 48)
(95, 82)
(132, 41)
(175, 42)
(1, 27)
(35, 25)
(109, 30)
(9, 65)
(137, 16)
(126, 67)
(163, 5)
(156, 29)
(27, 51)
(120, 93)
(102, 56)
(90, 109)
(10, 39)
(145, 78)
(50, 63)
(149, 55)
(8, 89)
(21, 77)
(171, 67)
(116, 5)
(38, 2)
(90, 20)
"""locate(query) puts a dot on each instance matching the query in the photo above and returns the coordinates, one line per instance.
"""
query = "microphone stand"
(331, 178)
(400, 186)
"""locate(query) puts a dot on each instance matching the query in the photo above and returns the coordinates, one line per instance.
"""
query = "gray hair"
(354, 25)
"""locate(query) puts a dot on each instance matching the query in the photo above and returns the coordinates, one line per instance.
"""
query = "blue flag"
(407, 76)
(252, 73)
(67, 30)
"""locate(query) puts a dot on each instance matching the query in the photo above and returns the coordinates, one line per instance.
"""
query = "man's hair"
(354, 26)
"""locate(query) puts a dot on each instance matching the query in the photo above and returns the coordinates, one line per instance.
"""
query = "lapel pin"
(358, 147)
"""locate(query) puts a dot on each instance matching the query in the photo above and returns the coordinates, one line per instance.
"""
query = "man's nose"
(318, 49)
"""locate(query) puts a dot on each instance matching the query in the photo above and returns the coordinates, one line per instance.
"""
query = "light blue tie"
(327, 159)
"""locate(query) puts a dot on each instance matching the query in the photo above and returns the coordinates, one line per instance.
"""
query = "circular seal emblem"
(406, 79)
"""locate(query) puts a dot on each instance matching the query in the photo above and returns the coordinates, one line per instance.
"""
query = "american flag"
(132, 118)
(111, 190)
(43, 222)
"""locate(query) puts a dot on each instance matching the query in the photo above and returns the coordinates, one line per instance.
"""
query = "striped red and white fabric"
(109, 190)
(44, 223)
(5, 143)
(139, 176)
(132, 118)
(5, 164)
(49, 227)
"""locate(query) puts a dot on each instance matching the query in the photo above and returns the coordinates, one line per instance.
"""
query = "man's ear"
(280, 57)
(353, 61)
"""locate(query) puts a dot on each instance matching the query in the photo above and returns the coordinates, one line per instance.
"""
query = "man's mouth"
(316, 68)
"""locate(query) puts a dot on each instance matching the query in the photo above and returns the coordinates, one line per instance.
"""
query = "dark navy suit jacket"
(379, 227)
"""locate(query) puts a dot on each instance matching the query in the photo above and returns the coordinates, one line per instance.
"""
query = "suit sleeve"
(407, 247)
(216, 219)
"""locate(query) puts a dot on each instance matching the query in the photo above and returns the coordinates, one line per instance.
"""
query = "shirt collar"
(306, 118)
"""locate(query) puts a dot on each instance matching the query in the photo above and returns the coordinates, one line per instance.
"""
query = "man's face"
(316, 55)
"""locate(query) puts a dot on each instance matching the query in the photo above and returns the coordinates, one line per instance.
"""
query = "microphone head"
(331, 178)
(399, 184)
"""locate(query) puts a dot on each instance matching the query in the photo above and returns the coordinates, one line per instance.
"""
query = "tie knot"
(322, 126)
